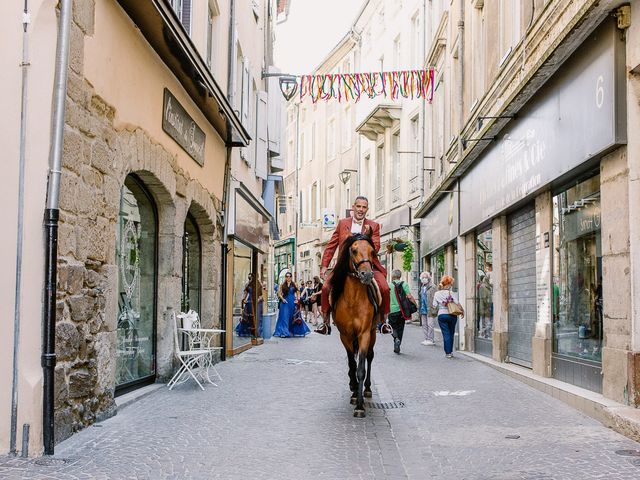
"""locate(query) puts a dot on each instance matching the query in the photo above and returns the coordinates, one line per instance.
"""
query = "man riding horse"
(345, 228)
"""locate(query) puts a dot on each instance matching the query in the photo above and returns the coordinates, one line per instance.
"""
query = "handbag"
(454, 307)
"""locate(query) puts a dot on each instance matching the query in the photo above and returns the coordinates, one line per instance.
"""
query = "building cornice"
(161, 28)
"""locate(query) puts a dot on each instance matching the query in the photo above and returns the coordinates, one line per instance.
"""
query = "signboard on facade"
(441, 225)
(328, 218)
(177, 123)
(574, 118)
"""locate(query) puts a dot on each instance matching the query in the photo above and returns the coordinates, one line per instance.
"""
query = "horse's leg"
(353, 381)
(363, 344)
(367, 380)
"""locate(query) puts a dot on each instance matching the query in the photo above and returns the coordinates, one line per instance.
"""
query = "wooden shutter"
(261, 135)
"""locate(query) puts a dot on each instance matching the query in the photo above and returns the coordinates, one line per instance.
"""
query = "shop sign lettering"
(177, 123)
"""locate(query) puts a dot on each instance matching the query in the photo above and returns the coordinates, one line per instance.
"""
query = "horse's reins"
(370, 292)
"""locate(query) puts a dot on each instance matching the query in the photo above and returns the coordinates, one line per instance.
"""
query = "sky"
(311, 31)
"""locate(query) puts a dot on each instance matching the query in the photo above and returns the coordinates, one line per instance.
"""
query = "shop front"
(249, 251)
(545, 201)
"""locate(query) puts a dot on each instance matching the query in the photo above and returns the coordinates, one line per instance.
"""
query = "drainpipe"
(421, 161)
(231, 80)
(16, 318)
(461, 78)
(51, 215)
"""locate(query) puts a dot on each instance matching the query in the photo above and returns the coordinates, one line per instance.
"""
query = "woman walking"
(428, 319)
(447, 321)
(288, 294)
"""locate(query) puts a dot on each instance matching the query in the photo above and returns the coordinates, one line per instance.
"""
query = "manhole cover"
(628, 453)
(51, 462)
(385, 405)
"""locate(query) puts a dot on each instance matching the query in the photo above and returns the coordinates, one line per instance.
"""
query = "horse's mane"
(341, 269)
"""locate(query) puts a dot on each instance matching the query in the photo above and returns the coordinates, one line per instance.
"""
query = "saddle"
(374, 294)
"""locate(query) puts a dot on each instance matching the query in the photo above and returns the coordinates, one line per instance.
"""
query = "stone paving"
(282, 412)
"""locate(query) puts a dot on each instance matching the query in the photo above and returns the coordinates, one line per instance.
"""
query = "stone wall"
(96, 160)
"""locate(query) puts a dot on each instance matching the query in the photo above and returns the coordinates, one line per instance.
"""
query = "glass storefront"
(191, 266)
(577, 273)
(436, 264)
(136, 244)
(484, 288)
(243, 294)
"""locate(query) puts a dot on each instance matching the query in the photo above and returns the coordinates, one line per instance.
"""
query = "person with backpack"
(402, 306)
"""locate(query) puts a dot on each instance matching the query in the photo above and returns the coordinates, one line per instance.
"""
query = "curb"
(621, 418)
(136, 395)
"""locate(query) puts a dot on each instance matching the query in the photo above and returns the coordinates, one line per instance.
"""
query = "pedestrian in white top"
(447, 322)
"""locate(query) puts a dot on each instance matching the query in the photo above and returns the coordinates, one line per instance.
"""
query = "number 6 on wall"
(599, 91)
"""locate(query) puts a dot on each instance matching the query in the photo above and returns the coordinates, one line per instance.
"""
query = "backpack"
(407, 307)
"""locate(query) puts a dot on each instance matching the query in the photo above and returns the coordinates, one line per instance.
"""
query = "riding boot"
(325, 328)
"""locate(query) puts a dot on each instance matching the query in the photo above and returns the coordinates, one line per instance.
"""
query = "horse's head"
(361, 256)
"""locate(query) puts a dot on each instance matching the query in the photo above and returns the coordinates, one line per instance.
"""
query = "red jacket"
(342, 232)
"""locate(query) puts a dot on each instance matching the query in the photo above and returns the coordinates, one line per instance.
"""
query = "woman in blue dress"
(289, 296)
(245, 325)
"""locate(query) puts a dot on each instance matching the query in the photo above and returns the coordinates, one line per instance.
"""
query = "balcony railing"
(413, 184)
(395, 194)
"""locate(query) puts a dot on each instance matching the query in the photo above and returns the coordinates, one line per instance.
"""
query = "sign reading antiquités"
(177, 123)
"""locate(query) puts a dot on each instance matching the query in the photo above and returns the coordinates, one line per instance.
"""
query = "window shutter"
(245, 91)
(186, 15)
(261, 135)
(318, 197)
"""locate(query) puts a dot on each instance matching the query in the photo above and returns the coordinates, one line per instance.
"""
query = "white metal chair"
(190, 360)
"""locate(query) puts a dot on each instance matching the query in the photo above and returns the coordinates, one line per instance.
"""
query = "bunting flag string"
(410, 84)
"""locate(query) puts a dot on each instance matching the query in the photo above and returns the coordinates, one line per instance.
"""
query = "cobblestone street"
(282, 411)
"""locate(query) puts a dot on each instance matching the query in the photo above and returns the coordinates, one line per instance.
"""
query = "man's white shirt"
(355, 226)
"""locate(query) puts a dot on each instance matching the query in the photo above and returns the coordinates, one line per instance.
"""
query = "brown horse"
(356, 304)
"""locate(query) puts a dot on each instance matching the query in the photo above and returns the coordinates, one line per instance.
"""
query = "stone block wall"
(97, 158)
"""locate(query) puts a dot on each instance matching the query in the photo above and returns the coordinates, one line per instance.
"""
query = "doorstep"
(621, 418)
(131, 397)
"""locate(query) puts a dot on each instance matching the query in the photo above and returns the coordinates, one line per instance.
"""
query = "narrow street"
(282, 412)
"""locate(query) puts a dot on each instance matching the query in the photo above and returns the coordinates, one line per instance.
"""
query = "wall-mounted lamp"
(345, 175)
(467, 140)
(288, 83)
(481, 119)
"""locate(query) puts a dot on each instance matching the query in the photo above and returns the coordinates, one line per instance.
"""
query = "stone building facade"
(159, 115)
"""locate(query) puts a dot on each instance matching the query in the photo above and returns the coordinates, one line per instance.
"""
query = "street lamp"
(288, 83)
(345, 175)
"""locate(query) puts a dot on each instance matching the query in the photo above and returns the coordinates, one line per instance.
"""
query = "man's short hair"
(396, 274)
(361, 197)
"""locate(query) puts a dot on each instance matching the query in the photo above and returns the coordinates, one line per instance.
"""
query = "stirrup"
(386, 329)
(323, 329)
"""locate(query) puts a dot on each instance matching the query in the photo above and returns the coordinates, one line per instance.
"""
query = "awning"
(380, 118)
(161, 28)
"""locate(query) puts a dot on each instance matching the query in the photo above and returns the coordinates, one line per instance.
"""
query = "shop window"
(577, 307)
(243, 294)
(436, 263)
(136, 245)
(484, 285)
(191, 266)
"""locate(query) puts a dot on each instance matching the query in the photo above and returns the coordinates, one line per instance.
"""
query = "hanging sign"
(353, 86)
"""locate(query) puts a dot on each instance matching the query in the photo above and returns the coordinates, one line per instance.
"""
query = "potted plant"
(407, 256)
(396, 245)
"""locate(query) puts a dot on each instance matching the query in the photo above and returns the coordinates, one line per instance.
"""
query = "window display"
(484, 285)
(136, 258)
(577, 272)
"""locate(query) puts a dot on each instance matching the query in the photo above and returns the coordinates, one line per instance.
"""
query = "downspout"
(224, 246)
(460, 147)
(51, 215)
(16, 318)
(423, 53)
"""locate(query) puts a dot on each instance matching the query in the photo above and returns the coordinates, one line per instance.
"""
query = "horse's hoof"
(359, 413)
(368, 394)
